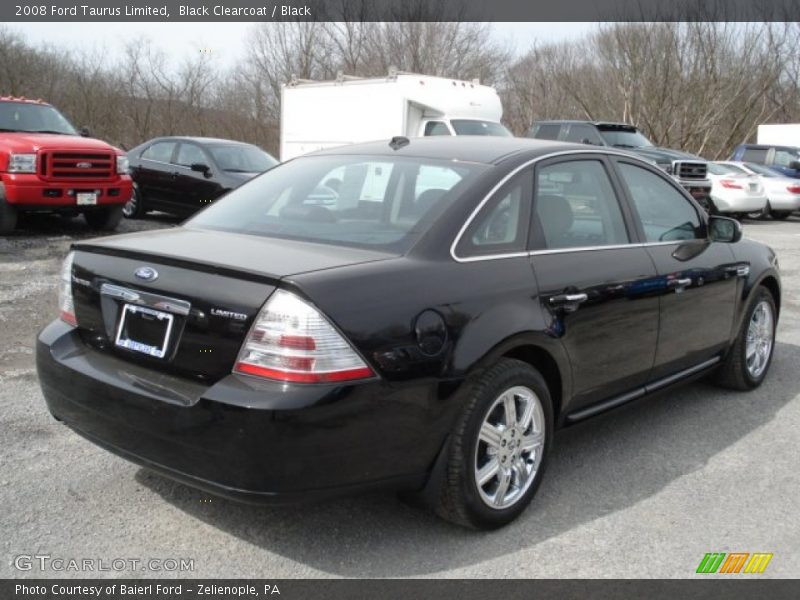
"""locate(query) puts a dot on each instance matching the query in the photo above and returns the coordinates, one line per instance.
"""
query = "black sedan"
(182, 175)
(426, 324)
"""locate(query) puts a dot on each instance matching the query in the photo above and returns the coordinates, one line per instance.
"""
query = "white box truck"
(779, 134)
(324, 114)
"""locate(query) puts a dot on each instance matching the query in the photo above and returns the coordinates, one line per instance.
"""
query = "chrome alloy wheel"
(760, 337)
(510, 447)
(130, 208)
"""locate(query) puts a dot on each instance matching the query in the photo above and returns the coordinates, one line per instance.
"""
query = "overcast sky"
(226, 40)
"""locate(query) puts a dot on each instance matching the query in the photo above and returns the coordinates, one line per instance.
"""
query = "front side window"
(784, 158)
(666, 214)
(377, 202)
(436, 128)
(160, 151)
(190, 154)
(575, 206)
(475, 127)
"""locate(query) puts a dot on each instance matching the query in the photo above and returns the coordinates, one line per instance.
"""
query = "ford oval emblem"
(146, 273)
(84, 165)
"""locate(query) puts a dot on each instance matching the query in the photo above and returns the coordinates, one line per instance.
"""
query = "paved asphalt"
(644, 491)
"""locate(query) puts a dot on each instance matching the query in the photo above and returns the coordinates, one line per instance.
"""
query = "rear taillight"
(66, 305)
(794, 189)
(291, 340)
(730, 184)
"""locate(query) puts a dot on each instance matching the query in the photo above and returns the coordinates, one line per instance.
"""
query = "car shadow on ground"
(597, 468)
(49, 225)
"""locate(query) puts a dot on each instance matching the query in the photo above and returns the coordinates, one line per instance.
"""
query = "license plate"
(752, 187)
(144, 330)
(86, 198)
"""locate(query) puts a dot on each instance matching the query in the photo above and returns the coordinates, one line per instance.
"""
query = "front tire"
(780, 215)
(8, 217)
(134, 208)
(104, 219)
(498, 448)
(749, 358)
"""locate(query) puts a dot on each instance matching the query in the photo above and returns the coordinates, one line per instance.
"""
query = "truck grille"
(689, 169)
(76, 165)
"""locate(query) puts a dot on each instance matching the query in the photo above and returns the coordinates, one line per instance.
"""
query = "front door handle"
(568, 302)
(679, 284)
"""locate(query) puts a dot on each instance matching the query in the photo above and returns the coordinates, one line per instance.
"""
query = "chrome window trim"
(520, 254)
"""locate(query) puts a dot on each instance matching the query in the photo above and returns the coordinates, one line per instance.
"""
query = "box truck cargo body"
(324, 114)
(781, 134)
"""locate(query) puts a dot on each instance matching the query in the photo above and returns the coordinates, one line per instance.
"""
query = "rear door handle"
(568, 302)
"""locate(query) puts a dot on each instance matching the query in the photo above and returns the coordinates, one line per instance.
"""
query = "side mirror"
(795, 164)
(201, 168)
(84, 132)
(724, 229)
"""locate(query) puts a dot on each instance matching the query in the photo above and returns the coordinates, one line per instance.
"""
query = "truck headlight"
(22, 163)
(122, 165)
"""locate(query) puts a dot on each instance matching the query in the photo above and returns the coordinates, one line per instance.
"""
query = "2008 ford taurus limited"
(420, 315)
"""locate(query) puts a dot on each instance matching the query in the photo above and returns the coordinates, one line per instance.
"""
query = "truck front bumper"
(26, 191)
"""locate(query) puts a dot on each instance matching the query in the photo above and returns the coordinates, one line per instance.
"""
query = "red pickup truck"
(47, 166)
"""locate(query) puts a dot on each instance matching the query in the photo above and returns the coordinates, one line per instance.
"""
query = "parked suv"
(783, 159)
(47, 166)
(689, 170)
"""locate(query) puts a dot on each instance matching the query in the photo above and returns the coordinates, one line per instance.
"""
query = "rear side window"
(545, 131)
(378, 202)
(501, 226)
(160, 151)
(575, 206)
(436, 128)
(756, 155)
(665, 213)
(583, 134)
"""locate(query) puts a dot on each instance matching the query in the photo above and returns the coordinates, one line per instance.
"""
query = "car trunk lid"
(182, 300)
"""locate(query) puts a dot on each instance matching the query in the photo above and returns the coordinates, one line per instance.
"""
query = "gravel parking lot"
(644, 491)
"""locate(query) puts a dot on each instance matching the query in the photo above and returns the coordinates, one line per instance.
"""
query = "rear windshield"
(377, 202)
(472, 127)
(623, 137)
(718, 169)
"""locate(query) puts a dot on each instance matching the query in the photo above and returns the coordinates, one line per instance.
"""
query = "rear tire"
(134, 208)
(780, 215)
(8, 217)
(749, 359)
(760, 215)
(498, 448)
(104, 219)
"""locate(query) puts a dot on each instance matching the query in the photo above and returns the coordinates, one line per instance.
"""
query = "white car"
(783, 193)
(735, 192)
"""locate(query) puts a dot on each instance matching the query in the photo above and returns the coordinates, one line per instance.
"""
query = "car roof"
(579, 122)
(464, 148)
(767, 146)
(195, 139)
(24, 100)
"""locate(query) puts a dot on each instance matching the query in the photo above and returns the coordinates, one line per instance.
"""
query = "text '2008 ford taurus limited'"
(424, 325)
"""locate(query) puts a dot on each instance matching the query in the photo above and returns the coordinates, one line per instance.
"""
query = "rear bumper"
(242, 438)
(27, 191)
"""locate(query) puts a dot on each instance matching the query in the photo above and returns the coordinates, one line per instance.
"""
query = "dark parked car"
(182, 175)
(783, 159)
(689, 170)
(427, 329)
